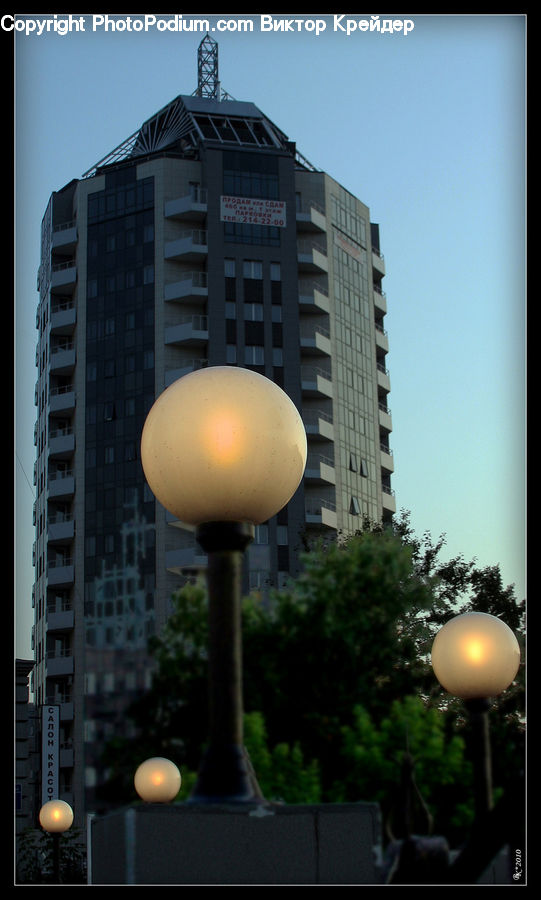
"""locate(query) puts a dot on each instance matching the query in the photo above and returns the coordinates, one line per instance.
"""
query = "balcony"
(62, 359)
(61, 484)
(61, 400)
(192, 207)
(311, 219)
(316, 342)
(63, 318)
(61, 443)
(318, 425)
(191, 330)
(322, 514)
(63, 277)
(60, 572)
(312, 257)
(388, 499)
(59, 663)
(378, 262)
(60, 528)
(384, 381)
(185, 560)
(64, 701)
(380, 300)
(191, 246)
(382, 341)
(66, 757)
(63, 620)
(386, 458)
(319, 470)
(65, 237)
(193, 288)
(313, 298)
(385, 421)
(190, 365)
(315, 382)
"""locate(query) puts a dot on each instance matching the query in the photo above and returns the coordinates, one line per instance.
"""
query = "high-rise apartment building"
(205, 239)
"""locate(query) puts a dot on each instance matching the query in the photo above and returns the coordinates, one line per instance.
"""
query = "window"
(281, 535)
(109, 368)
(148, 359)
(231, 353)
(254, 356)
(353, 466)
(355, 507)
(277, 356)
(261, 534)
(276, 313)
(109, 456)
(229, 268)
(364, 468)
(109, 411)
(275, 271)
(230, 309)
(252, 268)
(92, 288)
(253, 312)
(148, 274)
(148, 233)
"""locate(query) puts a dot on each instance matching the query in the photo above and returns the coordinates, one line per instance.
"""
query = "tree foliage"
(336, 676)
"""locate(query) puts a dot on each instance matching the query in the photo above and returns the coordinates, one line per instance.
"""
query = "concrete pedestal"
(185, 844)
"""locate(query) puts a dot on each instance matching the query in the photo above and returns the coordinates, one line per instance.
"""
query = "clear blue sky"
(427, 129)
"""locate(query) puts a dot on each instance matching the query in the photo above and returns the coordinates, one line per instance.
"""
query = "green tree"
(353, 632)
(331, 641)
(34, 864)
(373, 755)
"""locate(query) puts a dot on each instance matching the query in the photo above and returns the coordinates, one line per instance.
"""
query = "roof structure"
(208, 115)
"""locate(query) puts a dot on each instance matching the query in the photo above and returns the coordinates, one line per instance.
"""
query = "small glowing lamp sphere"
(56, 816)
(157, 780)
(223, 444)
(475, 655)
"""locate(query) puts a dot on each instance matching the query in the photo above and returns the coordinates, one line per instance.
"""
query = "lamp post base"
(226, 775)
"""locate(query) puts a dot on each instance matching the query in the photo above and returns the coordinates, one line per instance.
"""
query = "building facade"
(205, 239)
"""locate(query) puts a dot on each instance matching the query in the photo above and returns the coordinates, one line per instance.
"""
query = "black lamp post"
(224, 449)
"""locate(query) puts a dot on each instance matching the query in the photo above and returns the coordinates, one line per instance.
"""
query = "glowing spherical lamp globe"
(56, 816)
(223, 444)
(475, 655)
(157, 780)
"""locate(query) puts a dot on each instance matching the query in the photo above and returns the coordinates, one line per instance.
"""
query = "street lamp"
(157, 780)
(224, 449)
(475, 656)
(55, 817)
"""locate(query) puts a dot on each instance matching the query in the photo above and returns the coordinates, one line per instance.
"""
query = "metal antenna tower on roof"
(208, 84)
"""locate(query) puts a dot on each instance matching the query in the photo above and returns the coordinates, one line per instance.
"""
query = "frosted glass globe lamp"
(223, 444)
(475, 655)
(157, 780)
(56, 816)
